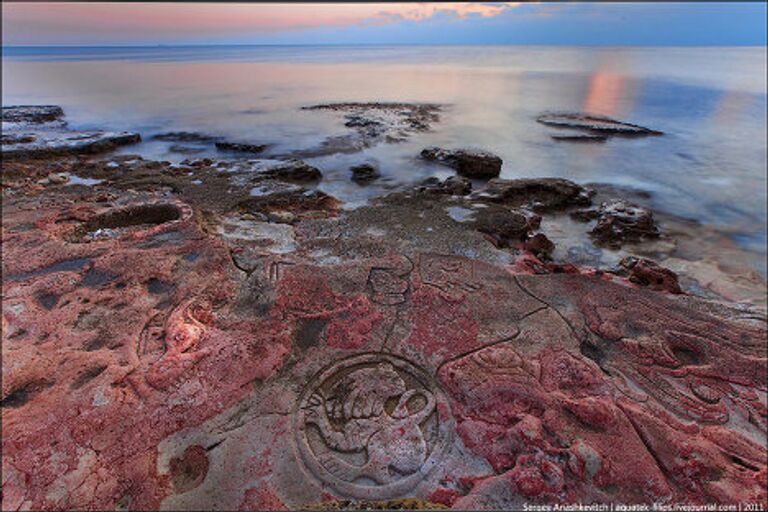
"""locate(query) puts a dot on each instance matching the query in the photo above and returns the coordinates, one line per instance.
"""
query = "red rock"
(143, 369)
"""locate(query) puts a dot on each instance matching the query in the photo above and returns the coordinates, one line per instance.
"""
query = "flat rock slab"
(32, 113)
(45, 143)
(149, 369)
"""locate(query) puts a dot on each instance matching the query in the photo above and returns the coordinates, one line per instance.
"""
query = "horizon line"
(208, 45)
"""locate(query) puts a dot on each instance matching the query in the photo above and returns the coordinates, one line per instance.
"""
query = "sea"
(710, 165)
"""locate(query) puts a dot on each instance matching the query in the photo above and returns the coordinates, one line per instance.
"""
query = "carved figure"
(368, 411)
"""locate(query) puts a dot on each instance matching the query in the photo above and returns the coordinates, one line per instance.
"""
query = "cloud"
(460, 10)
(88, 22)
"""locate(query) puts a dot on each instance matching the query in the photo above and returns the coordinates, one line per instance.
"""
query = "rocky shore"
(220, 334)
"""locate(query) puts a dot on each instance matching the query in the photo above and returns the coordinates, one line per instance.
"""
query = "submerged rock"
(467, 162)
(364, 173)
(185, 137)
(241, 147)
(186, 150)
(585, 137)
(540, 194)
(594, 123)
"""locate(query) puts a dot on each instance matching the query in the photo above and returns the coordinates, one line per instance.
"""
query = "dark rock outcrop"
(364, 173)
(541, 246)
(467, 162)
(585, 137)
(619, 222)
(185, 137)
(452, 185)
(241, 147)
(32, 114)
(293, 170)
(648, 273)
(505, 226)
(540, 194)
(593, 123)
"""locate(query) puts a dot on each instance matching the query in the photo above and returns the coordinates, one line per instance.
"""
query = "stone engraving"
(389, 286)
(372, 426)
(451, 275)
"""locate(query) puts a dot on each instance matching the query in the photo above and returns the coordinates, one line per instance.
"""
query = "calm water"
(710, 102)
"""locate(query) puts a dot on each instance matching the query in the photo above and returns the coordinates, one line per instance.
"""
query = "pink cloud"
(140, 20)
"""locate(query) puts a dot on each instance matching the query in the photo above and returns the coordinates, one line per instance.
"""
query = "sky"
(543, 23)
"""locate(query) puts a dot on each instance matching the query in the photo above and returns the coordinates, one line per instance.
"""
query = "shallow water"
(711, 103)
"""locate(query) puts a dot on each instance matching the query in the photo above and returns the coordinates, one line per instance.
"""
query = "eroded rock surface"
(618, 222)
(247, 345)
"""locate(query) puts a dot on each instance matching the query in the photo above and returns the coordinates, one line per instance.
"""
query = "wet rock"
(457, 185)
(364, 173)
(594, 123)
(469, 163)
(371, 124)
(452, 185)
(648, 273)
(277, 197)
(506, 226)
(18, 138)
(540, 246)
(540, 194)
(49, 143)
(245, 172)
(585, 214)
(241, 147)
(185, 137)
(619, 222)
(32, 114)
(293, 170)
